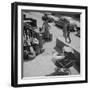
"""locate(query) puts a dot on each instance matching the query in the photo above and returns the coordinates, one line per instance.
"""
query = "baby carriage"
(64, 62)
(63, 65)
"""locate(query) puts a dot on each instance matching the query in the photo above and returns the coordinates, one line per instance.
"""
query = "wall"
(5, 46)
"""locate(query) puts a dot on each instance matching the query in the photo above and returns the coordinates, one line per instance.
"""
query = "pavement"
(42, 65)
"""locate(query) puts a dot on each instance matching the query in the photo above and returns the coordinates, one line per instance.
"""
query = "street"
(42, 65)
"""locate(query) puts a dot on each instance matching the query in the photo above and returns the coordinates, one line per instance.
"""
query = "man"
(40, 40)
(45, 17)
(46, 34)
